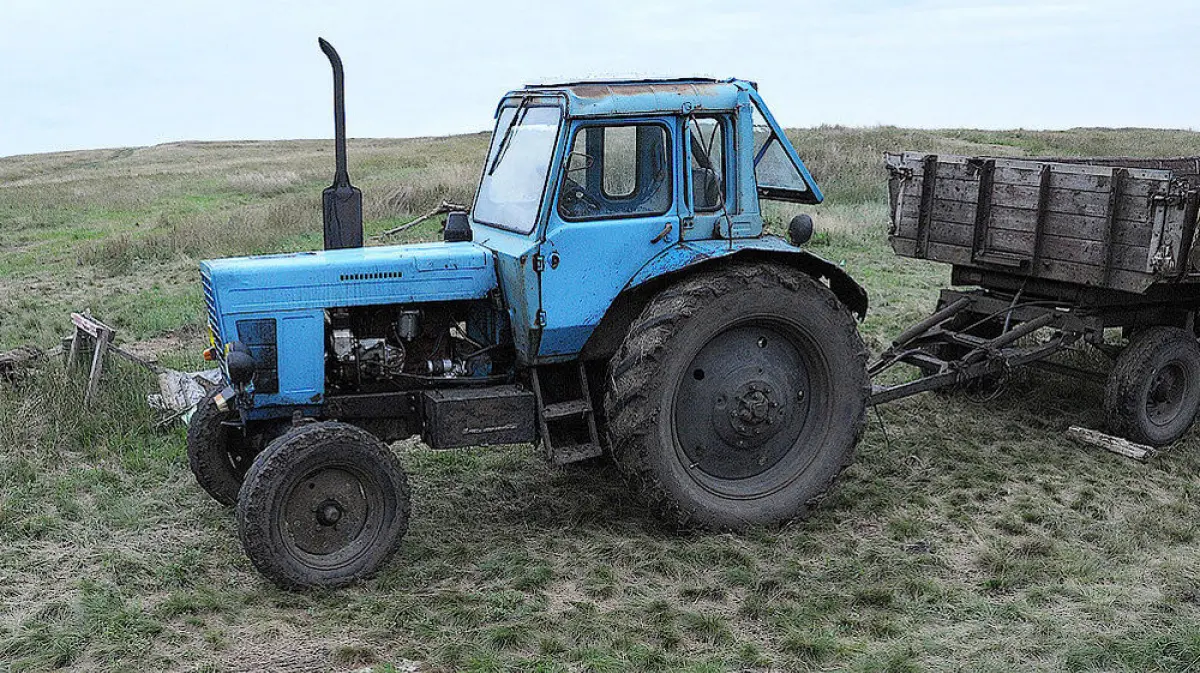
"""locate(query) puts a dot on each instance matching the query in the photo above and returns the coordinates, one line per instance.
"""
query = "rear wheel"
(324, 505)
(1153, 391)
(738, 396)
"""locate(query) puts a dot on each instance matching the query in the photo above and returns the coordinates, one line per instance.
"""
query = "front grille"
(210, 301)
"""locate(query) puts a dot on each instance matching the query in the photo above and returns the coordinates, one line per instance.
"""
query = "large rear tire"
(325, 505)
(738, 396)
(1153, 391)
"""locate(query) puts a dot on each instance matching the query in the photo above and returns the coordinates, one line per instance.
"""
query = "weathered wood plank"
(1086, 219)
(1139, 169)
(1118, 445)
(1064, 178)
(1132, 208)
(1079, 251)
(1021, 219)
(1051, 269)
(14, 361)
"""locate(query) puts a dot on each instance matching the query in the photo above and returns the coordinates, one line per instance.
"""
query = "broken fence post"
(102, 337)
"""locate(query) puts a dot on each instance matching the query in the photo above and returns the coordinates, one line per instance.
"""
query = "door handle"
(662, 234)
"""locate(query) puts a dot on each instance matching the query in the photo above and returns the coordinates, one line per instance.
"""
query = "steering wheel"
(576, 199)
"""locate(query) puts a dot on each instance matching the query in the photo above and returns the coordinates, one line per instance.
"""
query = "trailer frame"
(1062, 322)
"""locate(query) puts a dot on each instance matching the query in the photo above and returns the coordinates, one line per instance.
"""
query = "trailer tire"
(325, 505)
(1153, 390)
(738, 396)
(217, 464)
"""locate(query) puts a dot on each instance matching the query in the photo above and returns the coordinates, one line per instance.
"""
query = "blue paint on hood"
(350, 277)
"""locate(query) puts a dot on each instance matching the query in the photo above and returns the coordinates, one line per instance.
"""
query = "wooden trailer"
(1122, 228)
(1046, 255)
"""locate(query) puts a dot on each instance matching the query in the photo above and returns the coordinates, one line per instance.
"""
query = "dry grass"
(962, 539)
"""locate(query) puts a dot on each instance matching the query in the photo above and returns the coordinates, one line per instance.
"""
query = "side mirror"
(800, 229)
(458, 228)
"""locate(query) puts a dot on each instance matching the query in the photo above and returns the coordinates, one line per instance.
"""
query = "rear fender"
(686, 259)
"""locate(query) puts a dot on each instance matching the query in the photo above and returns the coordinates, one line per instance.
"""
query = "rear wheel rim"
(748, 410)
(1169, 388)
(331, 516)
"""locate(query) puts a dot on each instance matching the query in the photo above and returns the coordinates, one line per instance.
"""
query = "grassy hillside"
(962, 538)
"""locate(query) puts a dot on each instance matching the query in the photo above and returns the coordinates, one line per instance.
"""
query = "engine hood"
(349, 277)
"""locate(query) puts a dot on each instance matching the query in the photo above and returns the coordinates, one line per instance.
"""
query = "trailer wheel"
(738, 397)
(1153, 391)
(218, 457)
(324, 505)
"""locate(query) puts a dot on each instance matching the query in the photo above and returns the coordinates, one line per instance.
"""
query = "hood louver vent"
(377, 275)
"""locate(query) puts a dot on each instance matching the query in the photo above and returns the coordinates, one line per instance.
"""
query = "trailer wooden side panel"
(1109, 226)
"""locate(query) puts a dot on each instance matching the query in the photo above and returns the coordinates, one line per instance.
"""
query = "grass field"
(960, 540)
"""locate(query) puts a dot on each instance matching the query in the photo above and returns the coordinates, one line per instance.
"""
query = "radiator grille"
(210, 301)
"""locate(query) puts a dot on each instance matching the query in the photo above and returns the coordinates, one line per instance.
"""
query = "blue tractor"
(610, 290)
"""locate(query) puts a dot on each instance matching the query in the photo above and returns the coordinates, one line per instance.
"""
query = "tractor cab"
(595, 180)
(703, 151)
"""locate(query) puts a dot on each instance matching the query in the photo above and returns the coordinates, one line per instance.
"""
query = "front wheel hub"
(329, 513)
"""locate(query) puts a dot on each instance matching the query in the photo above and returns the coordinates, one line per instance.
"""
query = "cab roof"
(606, 98)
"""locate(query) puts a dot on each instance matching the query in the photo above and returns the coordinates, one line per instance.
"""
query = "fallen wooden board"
(1124, 447)
(17, 359)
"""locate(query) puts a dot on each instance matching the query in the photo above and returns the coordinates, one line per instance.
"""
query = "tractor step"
(566, 427)
(565, 455)
(553, 412)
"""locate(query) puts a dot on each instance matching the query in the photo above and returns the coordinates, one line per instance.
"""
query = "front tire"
(217, 461)
(738, 397)
(325, 505)
(1153, 391)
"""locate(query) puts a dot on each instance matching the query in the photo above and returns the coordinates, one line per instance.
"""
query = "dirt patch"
(150, 349)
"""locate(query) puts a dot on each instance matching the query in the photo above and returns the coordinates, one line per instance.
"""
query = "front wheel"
(216, 453)
(1153, 391)
(324, 505)
(738, 396)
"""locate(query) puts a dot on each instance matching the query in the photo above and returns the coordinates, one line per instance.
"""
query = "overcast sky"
(117, 73)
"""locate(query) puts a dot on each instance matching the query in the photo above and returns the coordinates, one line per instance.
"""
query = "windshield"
(514, 176)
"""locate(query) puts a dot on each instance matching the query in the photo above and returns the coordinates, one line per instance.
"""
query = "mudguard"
(692, 256)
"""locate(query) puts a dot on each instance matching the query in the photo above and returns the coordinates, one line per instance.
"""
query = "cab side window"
(707, 138)
(617, 171)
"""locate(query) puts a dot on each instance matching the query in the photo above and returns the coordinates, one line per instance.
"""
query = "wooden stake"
(102, 337)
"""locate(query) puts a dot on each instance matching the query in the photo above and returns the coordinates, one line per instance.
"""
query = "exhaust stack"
(341, 202)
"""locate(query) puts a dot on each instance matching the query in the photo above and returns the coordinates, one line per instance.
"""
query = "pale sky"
(110, 73)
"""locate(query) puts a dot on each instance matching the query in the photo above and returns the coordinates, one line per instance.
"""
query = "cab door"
(616, 207)
(711, 192)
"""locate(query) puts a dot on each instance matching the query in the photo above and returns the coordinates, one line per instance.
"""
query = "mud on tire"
(738, 396)
(218, 469)
(324, 505)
